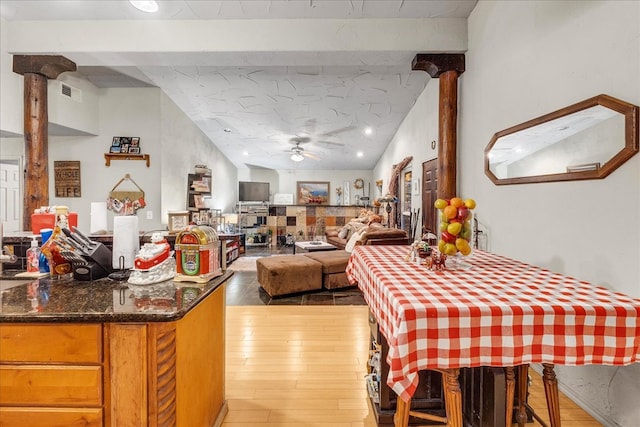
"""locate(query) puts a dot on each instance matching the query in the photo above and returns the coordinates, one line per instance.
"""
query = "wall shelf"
(126, 156)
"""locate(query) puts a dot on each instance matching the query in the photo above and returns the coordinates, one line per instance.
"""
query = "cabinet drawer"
(50, 385)
(50, 417)
(51, 343)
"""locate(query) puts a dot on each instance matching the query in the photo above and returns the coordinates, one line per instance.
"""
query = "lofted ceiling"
(257, 107)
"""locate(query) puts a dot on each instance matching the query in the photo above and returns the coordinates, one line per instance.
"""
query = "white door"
(10, 205)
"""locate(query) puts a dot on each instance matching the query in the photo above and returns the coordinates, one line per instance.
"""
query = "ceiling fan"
(298, 153)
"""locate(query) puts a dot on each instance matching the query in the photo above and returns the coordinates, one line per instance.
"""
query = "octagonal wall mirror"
(587, 140)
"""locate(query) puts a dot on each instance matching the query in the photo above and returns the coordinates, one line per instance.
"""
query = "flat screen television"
(253, 191)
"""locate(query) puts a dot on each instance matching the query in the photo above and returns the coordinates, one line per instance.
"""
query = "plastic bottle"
(33, 257)
(43, 267)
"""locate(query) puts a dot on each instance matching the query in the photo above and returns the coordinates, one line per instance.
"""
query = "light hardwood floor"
(293, 366)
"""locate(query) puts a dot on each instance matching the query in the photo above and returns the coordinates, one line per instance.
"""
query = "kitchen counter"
(104, 300)
(105, 353)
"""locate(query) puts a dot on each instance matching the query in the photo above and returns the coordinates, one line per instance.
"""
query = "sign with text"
(67, 178)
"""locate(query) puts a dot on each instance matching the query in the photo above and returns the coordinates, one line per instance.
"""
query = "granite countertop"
(104, 300)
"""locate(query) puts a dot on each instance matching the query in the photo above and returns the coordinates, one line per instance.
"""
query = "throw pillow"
(343, 233)
(353, 241)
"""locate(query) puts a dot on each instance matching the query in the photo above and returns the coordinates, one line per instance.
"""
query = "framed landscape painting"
(312, 192)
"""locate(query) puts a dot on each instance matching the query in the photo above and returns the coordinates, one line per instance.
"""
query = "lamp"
(149, 6)
(297, 157)
(388, 199)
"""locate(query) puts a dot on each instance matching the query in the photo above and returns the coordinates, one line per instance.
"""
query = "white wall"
(413, 138)
(11, 89)
(526, 59)
(184, 146)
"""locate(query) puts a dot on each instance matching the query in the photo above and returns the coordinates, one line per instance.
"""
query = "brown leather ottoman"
(288, 274)
(334, 265)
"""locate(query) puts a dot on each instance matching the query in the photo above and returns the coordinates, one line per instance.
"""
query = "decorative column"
(447, 67)
(37, 69)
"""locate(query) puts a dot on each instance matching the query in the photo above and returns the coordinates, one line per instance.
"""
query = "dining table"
(488, 310)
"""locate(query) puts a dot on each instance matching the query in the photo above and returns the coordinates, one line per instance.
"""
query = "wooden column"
(447, 67)
(37, 69)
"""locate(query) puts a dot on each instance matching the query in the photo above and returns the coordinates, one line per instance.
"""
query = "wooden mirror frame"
(630, 148)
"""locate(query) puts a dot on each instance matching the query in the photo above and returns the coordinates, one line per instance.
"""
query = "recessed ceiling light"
(245, 153)
(368, 131)
(149, 6)
(360, 154)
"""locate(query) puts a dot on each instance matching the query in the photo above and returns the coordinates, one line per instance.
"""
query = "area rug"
(244, 263)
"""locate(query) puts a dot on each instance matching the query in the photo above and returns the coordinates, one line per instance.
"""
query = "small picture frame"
(178, 221)
(134, 150)
(115, 142)
(135, 141)
(115, 149)
(124, 148)
(198, 200)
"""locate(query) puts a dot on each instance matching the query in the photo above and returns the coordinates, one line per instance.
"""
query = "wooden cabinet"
(198, 187)
(51, 375)
(235, 245)
(139, 374)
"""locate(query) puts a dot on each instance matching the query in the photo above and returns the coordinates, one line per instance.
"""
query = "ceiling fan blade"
(337, 131)
(299, 140)
(330, 143)
(311, 155)
(310, 126)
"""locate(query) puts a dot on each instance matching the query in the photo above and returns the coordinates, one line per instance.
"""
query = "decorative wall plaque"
(67, 178)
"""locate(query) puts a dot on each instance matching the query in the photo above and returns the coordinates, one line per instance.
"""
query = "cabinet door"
(50, 385)
(51, 343)
(51, 417)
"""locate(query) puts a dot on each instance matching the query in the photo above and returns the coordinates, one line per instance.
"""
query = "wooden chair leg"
(452, 403)
(401, 417)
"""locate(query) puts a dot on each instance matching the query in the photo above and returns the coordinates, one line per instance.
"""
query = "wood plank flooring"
(293, 366)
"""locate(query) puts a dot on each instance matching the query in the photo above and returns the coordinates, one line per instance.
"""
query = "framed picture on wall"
(312, 192)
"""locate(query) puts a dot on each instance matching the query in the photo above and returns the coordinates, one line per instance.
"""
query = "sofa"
(369, 234)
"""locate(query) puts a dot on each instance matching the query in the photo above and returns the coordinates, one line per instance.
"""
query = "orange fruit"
(450, 211)
(457, 202)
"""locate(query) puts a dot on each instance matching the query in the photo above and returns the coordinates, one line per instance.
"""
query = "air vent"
(66, 90)
(69, 91)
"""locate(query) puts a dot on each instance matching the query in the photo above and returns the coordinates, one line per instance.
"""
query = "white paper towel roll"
(98, 217)
(126, 242)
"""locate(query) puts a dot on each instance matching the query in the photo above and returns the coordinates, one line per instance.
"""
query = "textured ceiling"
(252, 106)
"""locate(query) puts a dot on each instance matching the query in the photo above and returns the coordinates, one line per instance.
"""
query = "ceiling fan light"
(149, 6)
(297, 157)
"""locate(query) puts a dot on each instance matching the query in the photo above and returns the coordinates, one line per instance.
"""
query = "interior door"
(429, 195)
(405, 201)
(10, 205)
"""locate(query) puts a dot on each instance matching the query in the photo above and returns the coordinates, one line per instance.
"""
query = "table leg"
(551, 393)
(523, 389)
(511, 388)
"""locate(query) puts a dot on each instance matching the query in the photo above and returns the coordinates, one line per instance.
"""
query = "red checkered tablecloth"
(499, 312)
